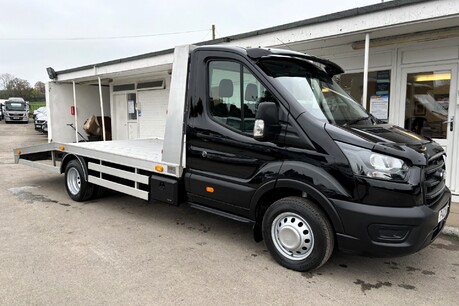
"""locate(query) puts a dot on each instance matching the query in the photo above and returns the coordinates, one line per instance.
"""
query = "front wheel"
(298, 234)
(77, 187)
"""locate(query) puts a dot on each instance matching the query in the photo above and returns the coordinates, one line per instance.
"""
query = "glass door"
(429, 106)
(132, 116)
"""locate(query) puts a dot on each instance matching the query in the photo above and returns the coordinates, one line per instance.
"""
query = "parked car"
(39, 110)
(44, 127)
(40, 119)
(1, 111)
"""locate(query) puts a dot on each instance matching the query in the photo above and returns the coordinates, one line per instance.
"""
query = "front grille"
(434, 185)
(16, 116)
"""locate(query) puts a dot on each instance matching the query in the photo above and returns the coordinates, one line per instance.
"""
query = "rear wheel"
(298, 234)
(78, 188)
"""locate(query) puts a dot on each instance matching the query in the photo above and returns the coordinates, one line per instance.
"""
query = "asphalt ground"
(124, 251)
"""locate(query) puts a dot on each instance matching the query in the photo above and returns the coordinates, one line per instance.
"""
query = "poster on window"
(131, 107)
(379, 106)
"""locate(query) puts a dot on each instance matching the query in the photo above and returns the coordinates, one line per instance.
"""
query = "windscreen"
(315, 91)
(15, 106)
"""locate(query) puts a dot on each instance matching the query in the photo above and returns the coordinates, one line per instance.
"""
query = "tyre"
(298, 234)
(77, 187)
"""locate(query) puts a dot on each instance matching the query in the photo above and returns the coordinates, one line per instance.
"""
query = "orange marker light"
(210, 189)
(159, 168)
(18, 152)
(62, 148)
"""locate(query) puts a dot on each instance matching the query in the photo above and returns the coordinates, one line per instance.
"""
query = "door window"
(427, 101)
(234, 94)
(131, 106)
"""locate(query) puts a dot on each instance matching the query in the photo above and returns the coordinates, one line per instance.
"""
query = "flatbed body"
(142, 154)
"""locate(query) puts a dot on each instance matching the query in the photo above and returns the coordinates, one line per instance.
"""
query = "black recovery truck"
(266, 136)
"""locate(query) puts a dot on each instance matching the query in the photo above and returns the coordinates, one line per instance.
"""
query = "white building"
(408, 50)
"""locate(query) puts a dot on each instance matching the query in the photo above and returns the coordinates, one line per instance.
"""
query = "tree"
(38, 92)
(40, 87)
(5, 78)
(19, 88)
(11, 86)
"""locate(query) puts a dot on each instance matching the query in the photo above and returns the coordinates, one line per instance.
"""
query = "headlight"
(367, 163)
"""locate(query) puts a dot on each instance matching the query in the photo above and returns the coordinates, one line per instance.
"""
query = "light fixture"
(51, 73)
(433, 77)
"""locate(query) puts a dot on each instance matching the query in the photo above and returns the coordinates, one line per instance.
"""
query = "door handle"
(451, 123)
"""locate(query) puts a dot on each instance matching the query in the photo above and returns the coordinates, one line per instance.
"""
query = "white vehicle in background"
(39, 110)
(40, 118)
(16, 110)
(2, 111)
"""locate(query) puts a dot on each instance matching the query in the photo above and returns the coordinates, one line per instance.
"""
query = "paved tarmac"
(452, 224)
(122, 250)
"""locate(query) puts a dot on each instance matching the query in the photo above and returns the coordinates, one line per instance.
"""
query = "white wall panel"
(430, 55)
(152, 123)
(355, 62)
(60, 98)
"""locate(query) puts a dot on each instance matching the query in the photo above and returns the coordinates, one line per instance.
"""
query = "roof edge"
(320, 19)
(315, 20)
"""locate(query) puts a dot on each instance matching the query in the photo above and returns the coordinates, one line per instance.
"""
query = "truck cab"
(272, 137)
(16, 110)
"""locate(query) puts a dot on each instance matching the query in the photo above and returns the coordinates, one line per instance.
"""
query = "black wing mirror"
(266, 121)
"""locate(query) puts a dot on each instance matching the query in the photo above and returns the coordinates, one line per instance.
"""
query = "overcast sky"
(38, 34)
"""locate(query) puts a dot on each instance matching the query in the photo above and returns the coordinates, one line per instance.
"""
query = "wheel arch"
(69, 157)
(265, 196)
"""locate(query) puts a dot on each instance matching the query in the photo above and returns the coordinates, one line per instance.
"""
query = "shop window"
(124, 87)
(151, 85)
(377, 100)
(427, 101)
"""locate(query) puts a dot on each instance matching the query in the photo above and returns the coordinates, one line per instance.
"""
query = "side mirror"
(266, 121)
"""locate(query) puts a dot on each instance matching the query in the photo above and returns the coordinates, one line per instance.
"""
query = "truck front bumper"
(17, 118)
(389, 231)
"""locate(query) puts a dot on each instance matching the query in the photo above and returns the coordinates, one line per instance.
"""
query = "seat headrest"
(226, 88)
(251, 92)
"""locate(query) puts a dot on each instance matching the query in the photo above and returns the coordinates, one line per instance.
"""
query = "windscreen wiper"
(356, 120)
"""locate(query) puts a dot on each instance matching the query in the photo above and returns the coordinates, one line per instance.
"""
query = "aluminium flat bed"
(125, 159)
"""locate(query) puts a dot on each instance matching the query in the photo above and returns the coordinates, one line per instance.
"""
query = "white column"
(102, 108)
(365, 70)
(76, 112)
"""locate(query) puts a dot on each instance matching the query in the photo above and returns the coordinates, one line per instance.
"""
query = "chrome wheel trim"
(73, 181)
(292, 236)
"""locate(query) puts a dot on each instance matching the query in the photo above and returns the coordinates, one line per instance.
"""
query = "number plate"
(443, 213)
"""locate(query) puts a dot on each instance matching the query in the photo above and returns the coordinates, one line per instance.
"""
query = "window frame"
(242, 91)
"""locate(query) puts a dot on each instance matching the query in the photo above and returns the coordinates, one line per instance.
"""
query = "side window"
(234, 94)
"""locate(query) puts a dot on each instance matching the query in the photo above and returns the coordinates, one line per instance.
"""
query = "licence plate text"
(443, 213)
